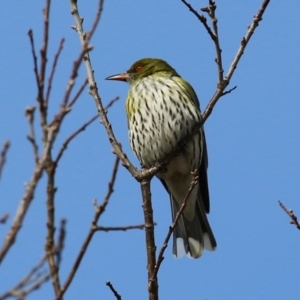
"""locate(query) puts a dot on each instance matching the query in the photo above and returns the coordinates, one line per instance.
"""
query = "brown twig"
(29, 113)
(49, 245)
(46, 12)
(40, 76)
(290, 213)
(257, 18)
(229, 91)
(160, 257)
(3, 155)
(111, 103)
(99, 209)
(79, 130)
(36, 277)
(223, 82)
(37, 78)
(94, 90)
(201, 18)
(120, 228)
(150, 238)
(210, 10)
(53, 68)
(72, 136)
(74, 74)
(50, 168)
(81, 89)
(60, 244)
(25, 202)
(116, 294)
(4, 218)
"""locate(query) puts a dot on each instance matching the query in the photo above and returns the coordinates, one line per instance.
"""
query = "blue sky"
(253, 144)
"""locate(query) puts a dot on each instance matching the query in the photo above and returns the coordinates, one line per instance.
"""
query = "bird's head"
(143, 68)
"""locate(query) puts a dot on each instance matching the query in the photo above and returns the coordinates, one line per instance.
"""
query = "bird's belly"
(160, 119)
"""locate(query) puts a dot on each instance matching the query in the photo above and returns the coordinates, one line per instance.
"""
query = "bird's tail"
(192, 236)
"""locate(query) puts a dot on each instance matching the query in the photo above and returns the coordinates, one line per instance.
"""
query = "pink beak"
(120, 77)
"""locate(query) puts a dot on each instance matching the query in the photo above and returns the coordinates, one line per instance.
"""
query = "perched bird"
(162, 108)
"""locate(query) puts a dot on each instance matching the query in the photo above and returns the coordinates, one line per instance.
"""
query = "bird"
(162, 108)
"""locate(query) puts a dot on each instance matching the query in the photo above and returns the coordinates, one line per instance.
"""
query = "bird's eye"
(138, 68)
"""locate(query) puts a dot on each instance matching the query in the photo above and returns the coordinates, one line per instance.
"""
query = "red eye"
(138, 68)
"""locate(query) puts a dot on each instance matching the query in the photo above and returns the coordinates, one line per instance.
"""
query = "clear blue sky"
(253, 141)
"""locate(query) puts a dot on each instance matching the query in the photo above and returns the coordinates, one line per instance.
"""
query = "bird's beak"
(120, 77)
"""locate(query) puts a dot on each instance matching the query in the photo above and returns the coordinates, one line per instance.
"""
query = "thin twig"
(3, 155)
(74, 74)
(79, 130)
(160, 257)
(29, 113)
(211, 11)
(201, 18)
(72, 136)
(81, 89)
(290, 213)
(120, 228)
(53, 68)
(257, 18)
(36, 276)
(99, 209)
(229, 91)
(111, 103)
(116, 294)
(36, 73)
(25, 202)
(46, 12)
(4, 218)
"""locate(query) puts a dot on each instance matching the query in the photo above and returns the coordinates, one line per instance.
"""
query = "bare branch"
(35, 65)
(4, 218)
(94, 91)
(73, 76)
(40, 87)
(36, 276)
(3, 155)
(229, 91)
(120, 228)
(111, 103)
(99, 209)
(290, 213)
(150, 239)
(201, 18)
(211, 9)
(72, 136)
(25, 202)
(79, 130)
(81, 89)
(33, 278)
(49, 245)
(116, 294)
(160, 257)
(46, 12)
(29, 113)
(224, 82)
(246, 38)
(50, 80)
